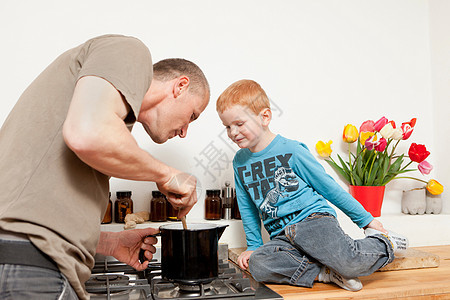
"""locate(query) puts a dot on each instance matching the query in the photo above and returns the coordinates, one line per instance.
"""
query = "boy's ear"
(266, 116)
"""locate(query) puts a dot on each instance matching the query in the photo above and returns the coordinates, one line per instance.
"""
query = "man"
(68, 133)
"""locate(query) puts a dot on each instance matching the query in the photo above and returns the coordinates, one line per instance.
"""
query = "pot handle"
(142, 257)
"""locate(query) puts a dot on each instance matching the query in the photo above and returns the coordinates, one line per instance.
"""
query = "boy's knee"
(257, 266)
(256, 260)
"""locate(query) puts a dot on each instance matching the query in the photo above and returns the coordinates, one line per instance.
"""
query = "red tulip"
(381, 145)
(418, 152)
(380, 123)
(408, 128)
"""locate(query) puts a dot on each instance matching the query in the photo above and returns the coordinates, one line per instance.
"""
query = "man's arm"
(95, 131)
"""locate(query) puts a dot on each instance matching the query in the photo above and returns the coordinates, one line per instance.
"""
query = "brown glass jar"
(172, 213)
(236, 212)
(213, 205)
(123, 206)
(107, 218)
(158, 207)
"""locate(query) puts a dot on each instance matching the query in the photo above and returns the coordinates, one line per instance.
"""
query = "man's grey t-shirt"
(48, 193)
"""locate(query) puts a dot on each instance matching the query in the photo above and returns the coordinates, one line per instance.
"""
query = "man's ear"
(180, 86)
(266, 116)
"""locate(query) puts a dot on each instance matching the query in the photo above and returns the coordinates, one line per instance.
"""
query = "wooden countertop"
(429, 283)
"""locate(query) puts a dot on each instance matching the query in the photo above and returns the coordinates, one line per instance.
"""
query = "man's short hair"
(168, 69)
(247, 93)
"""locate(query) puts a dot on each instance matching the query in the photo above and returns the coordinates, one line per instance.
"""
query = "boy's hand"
(243, 259)
(375, 224)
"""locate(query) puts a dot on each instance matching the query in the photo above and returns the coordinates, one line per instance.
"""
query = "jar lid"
(122, 194)
(158, 194)
(213, 192)
(227, 191)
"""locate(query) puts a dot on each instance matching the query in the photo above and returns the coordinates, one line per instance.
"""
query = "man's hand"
(181, 192)
(125, 245)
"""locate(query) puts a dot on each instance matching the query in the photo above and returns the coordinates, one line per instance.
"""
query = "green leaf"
(380, 175)
(357, 178)
(339, 170)
(359, 167)
(373, 174)
(344, 165)
(396, 165)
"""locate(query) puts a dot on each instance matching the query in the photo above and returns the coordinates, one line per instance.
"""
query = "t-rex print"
(285, 180)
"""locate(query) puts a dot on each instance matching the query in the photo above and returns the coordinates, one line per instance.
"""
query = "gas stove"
(111, 279)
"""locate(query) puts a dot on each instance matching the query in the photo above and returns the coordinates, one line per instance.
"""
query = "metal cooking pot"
(190, 257)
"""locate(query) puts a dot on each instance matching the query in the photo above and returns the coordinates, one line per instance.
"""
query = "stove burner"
(193, 288)
(108, 283)
(112, 278)
(218, 289)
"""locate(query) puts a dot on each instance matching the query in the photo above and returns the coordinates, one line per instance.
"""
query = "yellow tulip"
(350, 134)
(323, 149)
(364, 135)
(435, 187)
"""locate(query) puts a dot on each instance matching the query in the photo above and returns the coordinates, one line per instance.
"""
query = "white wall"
(323, 63)
(440, 78)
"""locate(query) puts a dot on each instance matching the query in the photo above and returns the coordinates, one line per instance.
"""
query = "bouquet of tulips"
(375, 162)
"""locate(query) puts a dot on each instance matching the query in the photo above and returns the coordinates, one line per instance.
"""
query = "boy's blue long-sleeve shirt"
(282, 185)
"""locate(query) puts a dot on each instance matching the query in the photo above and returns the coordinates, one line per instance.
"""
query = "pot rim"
(191, 226)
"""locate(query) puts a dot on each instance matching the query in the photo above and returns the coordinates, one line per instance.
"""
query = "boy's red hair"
(247, 93)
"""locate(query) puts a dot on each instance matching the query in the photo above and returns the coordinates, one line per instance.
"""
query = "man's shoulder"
(115, 37)
(121, 43)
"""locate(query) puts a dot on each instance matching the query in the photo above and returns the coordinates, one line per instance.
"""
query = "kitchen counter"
(402, 284)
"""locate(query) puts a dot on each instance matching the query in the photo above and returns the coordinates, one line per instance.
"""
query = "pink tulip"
(380, 123)
(425, 167)
(381, 145)
(367, 126)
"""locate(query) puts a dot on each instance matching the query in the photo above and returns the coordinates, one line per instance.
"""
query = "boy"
(279, 181)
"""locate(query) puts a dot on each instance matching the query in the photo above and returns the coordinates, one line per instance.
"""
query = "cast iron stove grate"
(116, 280)
(217, 289)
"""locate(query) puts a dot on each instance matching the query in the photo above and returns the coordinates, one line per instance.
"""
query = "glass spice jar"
(236, 212)
(158, 207)
(107, 218)
(123, 206)
(213, 205)
(172, 213)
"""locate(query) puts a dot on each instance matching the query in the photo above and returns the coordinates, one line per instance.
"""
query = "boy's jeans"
(297, 257)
